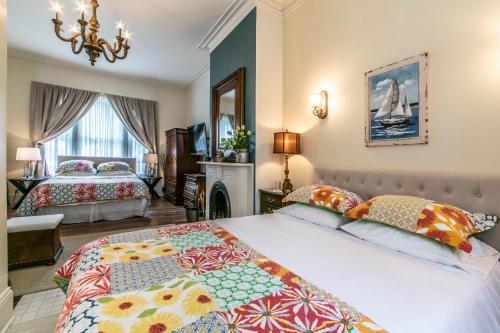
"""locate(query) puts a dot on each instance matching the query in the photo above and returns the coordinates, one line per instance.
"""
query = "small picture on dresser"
(397, 103)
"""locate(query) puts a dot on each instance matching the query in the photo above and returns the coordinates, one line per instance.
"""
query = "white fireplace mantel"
(238, 179)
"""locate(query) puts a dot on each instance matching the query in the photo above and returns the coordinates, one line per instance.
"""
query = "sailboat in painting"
(391, 112)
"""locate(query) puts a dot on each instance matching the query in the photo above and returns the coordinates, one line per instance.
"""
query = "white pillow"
(315, 215)
(479, 262)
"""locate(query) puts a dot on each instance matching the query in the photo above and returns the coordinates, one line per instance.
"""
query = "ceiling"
(164, 43)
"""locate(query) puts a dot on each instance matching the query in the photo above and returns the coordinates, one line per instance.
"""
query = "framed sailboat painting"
(397, 103)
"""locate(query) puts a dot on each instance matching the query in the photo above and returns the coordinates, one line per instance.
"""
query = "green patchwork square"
(194, 239)
(240, 285)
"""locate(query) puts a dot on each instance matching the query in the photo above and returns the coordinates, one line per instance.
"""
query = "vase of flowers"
(239, 141)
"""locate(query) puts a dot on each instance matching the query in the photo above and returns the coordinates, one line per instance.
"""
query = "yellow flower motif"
(124, 306)
(164, 250)
(106, 258)
(167, 297)
(199, 302)
(158, 323)
(115, 248)
(143, 246)
(135, 256)
(109, 327)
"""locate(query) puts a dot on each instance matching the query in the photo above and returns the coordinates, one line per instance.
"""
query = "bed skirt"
(97, 211)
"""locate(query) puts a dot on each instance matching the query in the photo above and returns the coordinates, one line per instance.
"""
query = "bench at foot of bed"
(34, 240)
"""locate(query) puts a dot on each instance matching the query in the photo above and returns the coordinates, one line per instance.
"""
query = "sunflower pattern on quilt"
(442, 222)
(193, 278)
(331, 197)
(64, 191)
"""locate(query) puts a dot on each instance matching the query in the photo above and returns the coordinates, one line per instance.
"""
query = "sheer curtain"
(99, 133)
(226, 125)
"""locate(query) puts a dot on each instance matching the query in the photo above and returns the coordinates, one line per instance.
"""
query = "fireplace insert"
(220, 205)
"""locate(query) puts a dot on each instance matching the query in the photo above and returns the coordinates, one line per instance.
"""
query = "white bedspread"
(401, 293)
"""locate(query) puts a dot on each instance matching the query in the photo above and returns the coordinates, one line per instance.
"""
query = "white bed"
(401, 293)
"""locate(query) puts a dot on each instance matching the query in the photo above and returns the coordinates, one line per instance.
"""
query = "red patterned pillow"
(331, 197)
(76, 165)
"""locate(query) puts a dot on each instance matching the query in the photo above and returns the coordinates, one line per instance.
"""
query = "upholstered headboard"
(474, 192)
(99, 160)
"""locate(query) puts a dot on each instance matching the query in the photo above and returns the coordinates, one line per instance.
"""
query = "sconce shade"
(151, 158)
(315, 100)
(286, 143)
(28, 154)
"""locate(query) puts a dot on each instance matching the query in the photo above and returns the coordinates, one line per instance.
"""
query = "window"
(99, 133)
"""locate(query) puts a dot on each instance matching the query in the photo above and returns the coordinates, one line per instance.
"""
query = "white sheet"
(401, 293)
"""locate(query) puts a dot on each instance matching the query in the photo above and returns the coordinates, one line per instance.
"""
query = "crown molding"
(237, 11)
(197, 75)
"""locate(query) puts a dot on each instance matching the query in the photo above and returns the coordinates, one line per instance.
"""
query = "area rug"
(39, 278)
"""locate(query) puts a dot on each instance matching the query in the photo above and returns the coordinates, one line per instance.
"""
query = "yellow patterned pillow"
(333, 198)
(442, 222)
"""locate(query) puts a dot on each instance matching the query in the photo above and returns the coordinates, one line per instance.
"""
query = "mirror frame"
(235, 81)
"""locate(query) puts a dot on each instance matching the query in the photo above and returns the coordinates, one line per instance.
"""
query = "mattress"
(401, 293)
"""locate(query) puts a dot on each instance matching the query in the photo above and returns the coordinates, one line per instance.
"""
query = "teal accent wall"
(235, 51)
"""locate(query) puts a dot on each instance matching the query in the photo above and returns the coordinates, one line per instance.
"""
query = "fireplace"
(229, 189)
(220, 204)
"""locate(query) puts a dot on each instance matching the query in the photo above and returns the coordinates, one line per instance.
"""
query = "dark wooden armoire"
(178, 162)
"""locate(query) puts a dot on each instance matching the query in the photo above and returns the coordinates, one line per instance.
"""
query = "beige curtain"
(53, 111)
(140, 117)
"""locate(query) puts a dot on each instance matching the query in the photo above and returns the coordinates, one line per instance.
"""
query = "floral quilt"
(60, 191)
(192, 278)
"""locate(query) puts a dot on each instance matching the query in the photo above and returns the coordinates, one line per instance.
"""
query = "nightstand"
(270, 200)
(151, 182)
(25, 185)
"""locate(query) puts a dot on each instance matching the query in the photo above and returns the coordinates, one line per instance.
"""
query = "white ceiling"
(164, 41)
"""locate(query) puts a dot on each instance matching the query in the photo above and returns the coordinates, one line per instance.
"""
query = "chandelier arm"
(105, 53)
(74, 42)
(57, 29)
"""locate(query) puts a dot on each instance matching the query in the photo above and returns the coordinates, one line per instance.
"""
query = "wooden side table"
(151, 182)
(25, 185)
(270, 200)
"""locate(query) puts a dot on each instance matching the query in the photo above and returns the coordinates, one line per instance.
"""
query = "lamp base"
(287, 186)
(29, 170)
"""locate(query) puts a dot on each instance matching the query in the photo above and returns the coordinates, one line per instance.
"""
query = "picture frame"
(396, 109)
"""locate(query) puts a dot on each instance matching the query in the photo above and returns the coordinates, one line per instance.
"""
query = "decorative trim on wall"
(237, 11)
(6, 312)
(197, 75)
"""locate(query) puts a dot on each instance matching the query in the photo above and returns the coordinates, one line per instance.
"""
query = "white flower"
(243, 127)
(249, 132)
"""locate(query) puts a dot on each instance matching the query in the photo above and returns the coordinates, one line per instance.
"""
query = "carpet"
(33, 279)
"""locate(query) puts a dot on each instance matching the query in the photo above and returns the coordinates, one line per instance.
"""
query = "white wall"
(198, 100)
(5, 292)
(331, 44)
(171, 99)
(268, 99)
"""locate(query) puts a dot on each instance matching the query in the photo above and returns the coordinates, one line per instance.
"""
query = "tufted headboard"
(99, 160)
(473, 192)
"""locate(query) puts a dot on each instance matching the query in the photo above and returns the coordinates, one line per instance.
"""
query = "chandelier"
(85, 35)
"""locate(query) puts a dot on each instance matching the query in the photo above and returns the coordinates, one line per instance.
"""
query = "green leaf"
(147, 313)
(189, 284)
(178, 283)
(130, 251)
(156, 287)
(161, 243)
(104, 300)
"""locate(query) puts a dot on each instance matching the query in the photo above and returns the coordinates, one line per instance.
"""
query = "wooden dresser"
(178, 162)
(270, 200)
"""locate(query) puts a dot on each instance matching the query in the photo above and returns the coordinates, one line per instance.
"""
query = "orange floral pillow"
(442, 222)
(333, 198)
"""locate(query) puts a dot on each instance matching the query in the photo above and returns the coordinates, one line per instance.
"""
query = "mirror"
(227, 107)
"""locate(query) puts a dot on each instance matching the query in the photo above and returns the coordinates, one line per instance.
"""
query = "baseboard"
(6, 309)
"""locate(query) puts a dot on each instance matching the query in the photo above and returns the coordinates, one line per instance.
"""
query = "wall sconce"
(319, 102)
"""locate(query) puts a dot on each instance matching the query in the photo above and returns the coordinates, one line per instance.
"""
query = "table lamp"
(286, 143)
(28, 155)
(151, 160)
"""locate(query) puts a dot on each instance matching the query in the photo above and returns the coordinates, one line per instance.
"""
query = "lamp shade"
(151, 158)
(28, 154)
(286, 143)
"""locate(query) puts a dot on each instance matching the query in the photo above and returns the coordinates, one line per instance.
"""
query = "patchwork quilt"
(60, 191)
(192, 278)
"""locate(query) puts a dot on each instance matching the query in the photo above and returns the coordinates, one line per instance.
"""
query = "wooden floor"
(161, 212)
